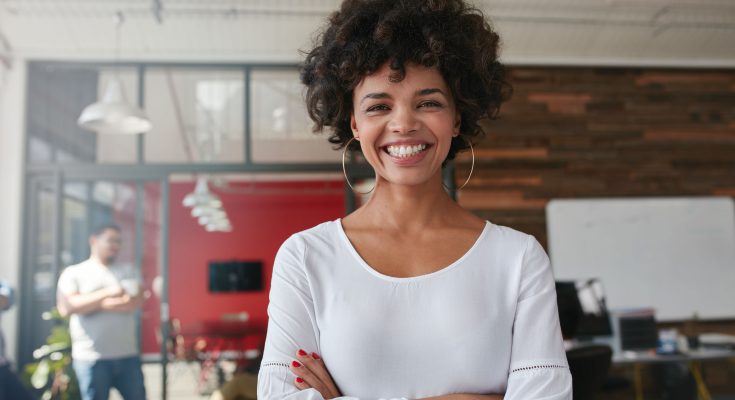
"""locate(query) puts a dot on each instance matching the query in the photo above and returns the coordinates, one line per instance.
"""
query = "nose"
(404, 121)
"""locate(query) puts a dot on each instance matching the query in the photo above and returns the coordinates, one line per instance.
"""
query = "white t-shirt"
(487, 323)
(100, 334)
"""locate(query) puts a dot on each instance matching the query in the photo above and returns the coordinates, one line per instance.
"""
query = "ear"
(353, 126)
(457, 125)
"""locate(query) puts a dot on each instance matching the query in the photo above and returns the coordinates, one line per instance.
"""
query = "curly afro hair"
(365, 34)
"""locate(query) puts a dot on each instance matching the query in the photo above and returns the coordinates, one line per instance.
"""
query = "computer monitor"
(582, 309)
(235, 276)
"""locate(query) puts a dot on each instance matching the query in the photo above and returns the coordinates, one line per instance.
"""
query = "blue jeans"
(96, 378)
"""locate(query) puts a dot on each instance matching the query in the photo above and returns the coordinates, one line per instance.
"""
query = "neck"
(408, 208)
(97, 259)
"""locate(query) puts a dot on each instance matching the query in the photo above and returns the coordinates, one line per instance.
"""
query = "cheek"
(443, 128)
(369, 131)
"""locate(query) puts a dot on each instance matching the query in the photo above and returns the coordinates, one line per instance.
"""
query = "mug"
(130, 286)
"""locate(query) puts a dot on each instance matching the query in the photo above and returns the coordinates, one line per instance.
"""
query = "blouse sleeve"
(291, 326)
(538, 366)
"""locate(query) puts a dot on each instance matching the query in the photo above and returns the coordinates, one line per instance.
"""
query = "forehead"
(110, 233)
(417, 77)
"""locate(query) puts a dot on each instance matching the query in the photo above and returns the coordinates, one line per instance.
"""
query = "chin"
(408, 181)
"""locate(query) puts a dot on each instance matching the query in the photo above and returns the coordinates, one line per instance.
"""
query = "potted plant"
(52, 371)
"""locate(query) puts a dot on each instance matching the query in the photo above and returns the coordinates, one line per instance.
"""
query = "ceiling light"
(206, 211)
(219, 227)
(114, 115)
(201, 196)
(213, 219)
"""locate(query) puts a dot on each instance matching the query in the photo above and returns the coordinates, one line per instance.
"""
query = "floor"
(183, 383)
(182, 379)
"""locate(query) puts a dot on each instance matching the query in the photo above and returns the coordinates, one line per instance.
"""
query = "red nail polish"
(299, 380)
(315, 356)
(302, 353)
(296, 364)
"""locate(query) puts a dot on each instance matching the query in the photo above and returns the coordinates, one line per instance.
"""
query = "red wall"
(261, 221)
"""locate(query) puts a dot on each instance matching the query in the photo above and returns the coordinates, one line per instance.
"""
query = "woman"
(410, 296)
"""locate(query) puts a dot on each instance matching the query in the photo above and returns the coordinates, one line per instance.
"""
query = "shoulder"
(520, 251)
(71, 276)
(511, 240)
(290, 261)
(317, 236)
(314, 238)
(74, 270)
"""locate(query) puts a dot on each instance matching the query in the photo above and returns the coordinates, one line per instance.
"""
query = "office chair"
(589, 366)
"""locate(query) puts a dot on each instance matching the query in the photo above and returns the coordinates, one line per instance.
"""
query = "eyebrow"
(424, 92)
(383, 95)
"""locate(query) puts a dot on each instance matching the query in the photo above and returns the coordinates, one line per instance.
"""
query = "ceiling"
(699, 33)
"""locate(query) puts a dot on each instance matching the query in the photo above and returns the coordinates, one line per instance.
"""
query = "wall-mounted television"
(235, 276)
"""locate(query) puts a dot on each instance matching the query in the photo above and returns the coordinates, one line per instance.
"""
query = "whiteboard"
(676, 255)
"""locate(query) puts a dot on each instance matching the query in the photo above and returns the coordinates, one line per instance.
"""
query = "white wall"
(12, 127)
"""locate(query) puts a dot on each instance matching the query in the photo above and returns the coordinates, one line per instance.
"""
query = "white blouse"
(485, 324)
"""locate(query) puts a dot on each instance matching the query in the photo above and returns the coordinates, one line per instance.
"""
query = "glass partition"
(197, 115)
(281, 128)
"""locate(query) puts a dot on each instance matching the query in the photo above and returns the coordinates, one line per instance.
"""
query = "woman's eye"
(377, 107)
(430, 104)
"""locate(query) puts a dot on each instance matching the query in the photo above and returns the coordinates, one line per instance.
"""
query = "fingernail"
(299, 380)
(315, 356)
(296, 364)
(302, 353)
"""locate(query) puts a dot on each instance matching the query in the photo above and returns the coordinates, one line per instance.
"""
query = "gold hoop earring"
(344, 170)
(472, 168)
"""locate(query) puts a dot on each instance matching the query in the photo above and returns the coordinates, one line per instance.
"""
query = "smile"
(405, 151)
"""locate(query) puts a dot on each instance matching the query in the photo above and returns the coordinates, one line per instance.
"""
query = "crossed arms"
(112, 298)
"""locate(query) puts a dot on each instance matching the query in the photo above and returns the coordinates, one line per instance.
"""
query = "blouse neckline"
(346, 240)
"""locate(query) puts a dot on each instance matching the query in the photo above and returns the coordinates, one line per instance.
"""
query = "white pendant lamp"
(224, 226)
(206, 207)
(201, 196)
(113, 114)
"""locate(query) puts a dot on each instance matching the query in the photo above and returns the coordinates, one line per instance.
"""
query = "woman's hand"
(311, 372)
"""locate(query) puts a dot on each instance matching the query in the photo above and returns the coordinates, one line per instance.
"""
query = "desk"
(213, 341)
(693, 358)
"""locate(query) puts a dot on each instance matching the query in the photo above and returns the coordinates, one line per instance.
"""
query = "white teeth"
(405, 151)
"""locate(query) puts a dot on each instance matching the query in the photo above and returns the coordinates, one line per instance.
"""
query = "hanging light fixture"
(113, 114)
(206, 207)
(201, 196)
(223, 226)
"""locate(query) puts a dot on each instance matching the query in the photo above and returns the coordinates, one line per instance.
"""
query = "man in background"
(102, 298)
(10, 386)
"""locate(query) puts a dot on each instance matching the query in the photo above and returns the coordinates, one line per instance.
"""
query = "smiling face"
(405, 128)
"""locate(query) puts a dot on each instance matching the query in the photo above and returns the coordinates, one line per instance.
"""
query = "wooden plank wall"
(602, 132)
